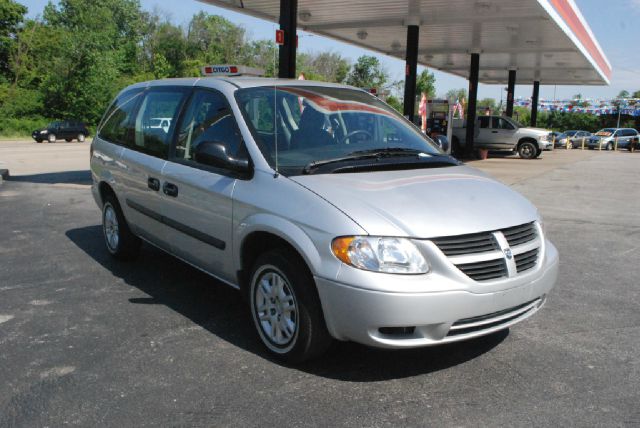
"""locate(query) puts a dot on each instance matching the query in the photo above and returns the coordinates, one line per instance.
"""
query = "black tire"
(609, 147)
(68, 140)
(282, 293)
(51, 138)
(39, 140)
(528, 150)
(81, 138)
(126, 246)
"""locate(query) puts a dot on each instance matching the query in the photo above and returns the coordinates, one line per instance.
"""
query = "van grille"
(484, 271)
(519, 235)
(487, 251)
(526, 261)
(466, 244)
(496, 319)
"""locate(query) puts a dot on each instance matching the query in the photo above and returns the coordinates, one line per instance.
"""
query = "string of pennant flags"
(629, 107)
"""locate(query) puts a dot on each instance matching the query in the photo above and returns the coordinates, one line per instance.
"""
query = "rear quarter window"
(117, 124)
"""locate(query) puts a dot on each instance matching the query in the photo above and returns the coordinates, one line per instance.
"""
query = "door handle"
(494, 132)
(153, 183)
(170, 189)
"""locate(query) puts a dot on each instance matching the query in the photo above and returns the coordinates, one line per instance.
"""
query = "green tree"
(367, 72)
(395, 102)
(456, 94)
(213, 39)
(636, 94)
(485, 103)
(426, 83)
(624, 94)
(97, 42)
(11, 17)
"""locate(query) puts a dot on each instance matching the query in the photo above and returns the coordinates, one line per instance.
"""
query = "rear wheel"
(120, 241)
(286, 308)
(528, 150)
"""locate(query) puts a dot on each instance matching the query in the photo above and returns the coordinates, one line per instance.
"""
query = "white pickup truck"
(502, 133)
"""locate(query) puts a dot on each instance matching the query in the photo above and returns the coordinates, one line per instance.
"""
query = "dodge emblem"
(508, 253)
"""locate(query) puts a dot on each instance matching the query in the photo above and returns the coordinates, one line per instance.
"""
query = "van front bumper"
(406, 320)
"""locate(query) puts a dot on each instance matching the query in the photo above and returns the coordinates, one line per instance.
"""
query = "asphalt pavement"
(89, 341)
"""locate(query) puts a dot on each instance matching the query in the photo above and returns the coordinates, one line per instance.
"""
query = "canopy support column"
(287, 51)
(411, 70)
(474, 72)
(511, 88)
(534, 103)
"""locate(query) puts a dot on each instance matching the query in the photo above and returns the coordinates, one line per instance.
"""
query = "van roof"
(238, 82)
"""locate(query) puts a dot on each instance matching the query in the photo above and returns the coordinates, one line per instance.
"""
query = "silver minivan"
(334, 216)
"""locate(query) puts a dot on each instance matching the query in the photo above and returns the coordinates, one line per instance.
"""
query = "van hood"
(422, 203)
(536, 131)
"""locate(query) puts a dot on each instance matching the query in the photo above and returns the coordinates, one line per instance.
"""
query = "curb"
(4, 174)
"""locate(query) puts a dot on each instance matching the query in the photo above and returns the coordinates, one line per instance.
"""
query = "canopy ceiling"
(545, 40)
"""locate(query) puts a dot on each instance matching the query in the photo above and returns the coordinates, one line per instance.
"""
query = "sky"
(616, 26)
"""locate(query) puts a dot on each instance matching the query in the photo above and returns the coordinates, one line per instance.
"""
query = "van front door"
(198, 197)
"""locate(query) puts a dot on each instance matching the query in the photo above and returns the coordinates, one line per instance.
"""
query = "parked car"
(68, 130)
(504, 134)
(605, 139)
(160, 123)
(559, 139)
(575, 138)
(332, 214)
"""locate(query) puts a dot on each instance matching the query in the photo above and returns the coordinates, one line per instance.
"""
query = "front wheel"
(286, 308)
(528, 150)
(120, 241)
(609, 147)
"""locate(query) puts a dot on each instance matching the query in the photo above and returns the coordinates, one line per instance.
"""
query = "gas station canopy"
(544, 40)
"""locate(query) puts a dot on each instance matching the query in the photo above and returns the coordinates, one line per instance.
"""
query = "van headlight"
(380, 254)
(44, 132)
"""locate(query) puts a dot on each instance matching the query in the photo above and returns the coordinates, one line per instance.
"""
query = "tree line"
(71, 61)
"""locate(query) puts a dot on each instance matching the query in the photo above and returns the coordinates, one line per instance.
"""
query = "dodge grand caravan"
(334, 216)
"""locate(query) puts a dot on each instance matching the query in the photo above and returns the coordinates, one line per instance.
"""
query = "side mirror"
(214, 153)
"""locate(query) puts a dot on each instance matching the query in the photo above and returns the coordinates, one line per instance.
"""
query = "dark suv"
(64, 130)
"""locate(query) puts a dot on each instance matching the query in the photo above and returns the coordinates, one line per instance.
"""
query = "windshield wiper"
(389, 151)
(362, 155)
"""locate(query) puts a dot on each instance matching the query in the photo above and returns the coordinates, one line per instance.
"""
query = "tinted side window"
(117, 124)
(208, 119)
(149, 137)
(500, 123)
(484, 121)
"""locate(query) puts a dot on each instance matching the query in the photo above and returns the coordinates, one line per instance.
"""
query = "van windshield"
(606, 132)
(299, 126)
